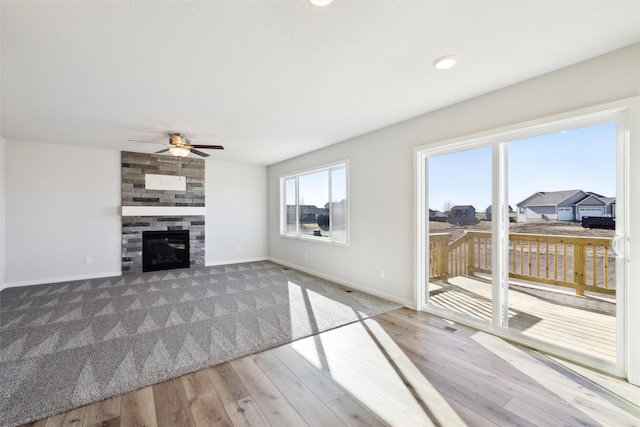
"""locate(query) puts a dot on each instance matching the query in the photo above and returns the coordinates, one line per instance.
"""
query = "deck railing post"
(579, 265)
(471, 244)
(439, 255)
(442, 255)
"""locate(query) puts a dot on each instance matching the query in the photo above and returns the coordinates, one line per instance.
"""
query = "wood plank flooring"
(395, 369)
(580, 329)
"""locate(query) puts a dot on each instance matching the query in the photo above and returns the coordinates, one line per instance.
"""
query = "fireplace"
(145, 209)
(165, 250)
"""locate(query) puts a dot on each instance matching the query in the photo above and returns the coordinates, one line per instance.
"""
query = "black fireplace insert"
(165, 250)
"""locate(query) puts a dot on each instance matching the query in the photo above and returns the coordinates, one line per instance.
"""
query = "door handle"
(616, 244)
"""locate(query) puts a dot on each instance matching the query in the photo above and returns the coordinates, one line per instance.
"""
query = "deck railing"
(581, 263)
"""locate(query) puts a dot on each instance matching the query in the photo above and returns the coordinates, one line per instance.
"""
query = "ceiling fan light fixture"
(320, 3)
(180, 146)
(445, 62)
(179, 151)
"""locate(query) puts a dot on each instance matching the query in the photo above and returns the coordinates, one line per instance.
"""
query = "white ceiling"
(272, 79)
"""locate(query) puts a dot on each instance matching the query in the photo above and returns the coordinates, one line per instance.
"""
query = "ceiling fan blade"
(211, 147)
(149, 142)
(162, 151)
(199, 153)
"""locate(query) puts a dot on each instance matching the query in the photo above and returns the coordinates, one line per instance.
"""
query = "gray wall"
(236, 224)
(534, 213)
(62, 206)
(2, 213)
(381, 171)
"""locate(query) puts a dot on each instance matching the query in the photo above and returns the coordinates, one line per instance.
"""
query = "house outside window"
(314, 204)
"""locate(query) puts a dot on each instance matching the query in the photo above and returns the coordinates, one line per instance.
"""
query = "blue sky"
(577, 159)
(314, 189)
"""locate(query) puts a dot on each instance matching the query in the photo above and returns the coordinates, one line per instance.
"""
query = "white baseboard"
(393, 298)
(60, 279)
(235, 261)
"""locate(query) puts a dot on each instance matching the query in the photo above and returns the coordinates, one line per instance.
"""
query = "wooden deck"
(584, 324)
(396, 369)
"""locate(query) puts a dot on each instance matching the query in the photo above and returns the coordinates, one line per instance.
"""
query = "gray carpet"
(65, 345)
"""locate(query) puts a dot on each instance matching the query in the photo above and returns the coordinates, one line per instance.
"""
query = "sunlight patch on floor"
(366, 362)
(590, 398)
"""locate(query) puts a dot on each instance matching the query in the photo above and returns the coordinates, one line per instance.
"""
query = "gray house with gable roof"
(569, 205)
(596, 205)
(550, 205)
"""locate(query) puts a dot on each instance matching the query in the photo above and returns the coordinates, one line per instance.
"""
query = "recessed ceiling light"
(445, 62)
(320, 2)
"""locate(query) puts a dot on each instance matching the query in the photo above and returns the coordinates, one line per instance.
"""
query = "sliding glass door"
(523, 235)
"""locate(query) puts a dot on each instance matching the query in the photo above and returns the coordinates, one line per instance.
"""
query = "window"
(314, 204)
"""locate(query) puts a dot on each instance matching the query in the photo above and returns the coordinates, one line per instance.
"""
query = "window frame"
(329, 168)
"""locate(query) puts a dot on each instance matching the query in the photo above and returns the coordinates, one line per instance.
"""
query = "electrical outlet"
(87, 260)
(306, 255)
(239, 248)
(381, 274)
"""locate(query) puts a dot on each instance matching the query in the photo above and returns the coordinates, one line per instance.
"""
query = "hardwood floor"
(395, 369)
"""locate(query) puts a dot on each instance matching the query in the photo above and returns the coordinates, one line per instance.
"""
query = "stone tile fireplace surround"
(145, 209)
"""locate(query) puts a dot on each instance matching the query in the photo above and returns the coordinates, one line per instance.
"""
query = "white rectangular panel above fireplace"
(165, 182)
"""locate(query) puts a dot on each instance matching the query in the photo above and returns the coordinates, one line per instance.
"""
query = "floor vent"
(444, 327)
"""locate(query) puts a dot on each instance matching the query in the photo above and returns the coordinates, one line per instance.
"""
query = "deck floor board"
(579, 329)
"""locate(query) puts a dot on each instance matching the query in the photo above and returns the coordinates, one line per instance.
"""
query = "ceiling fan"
(181, 146)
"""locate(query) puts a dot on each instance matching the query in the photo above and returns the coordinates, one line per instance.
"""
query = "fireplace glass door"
(165, 250)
